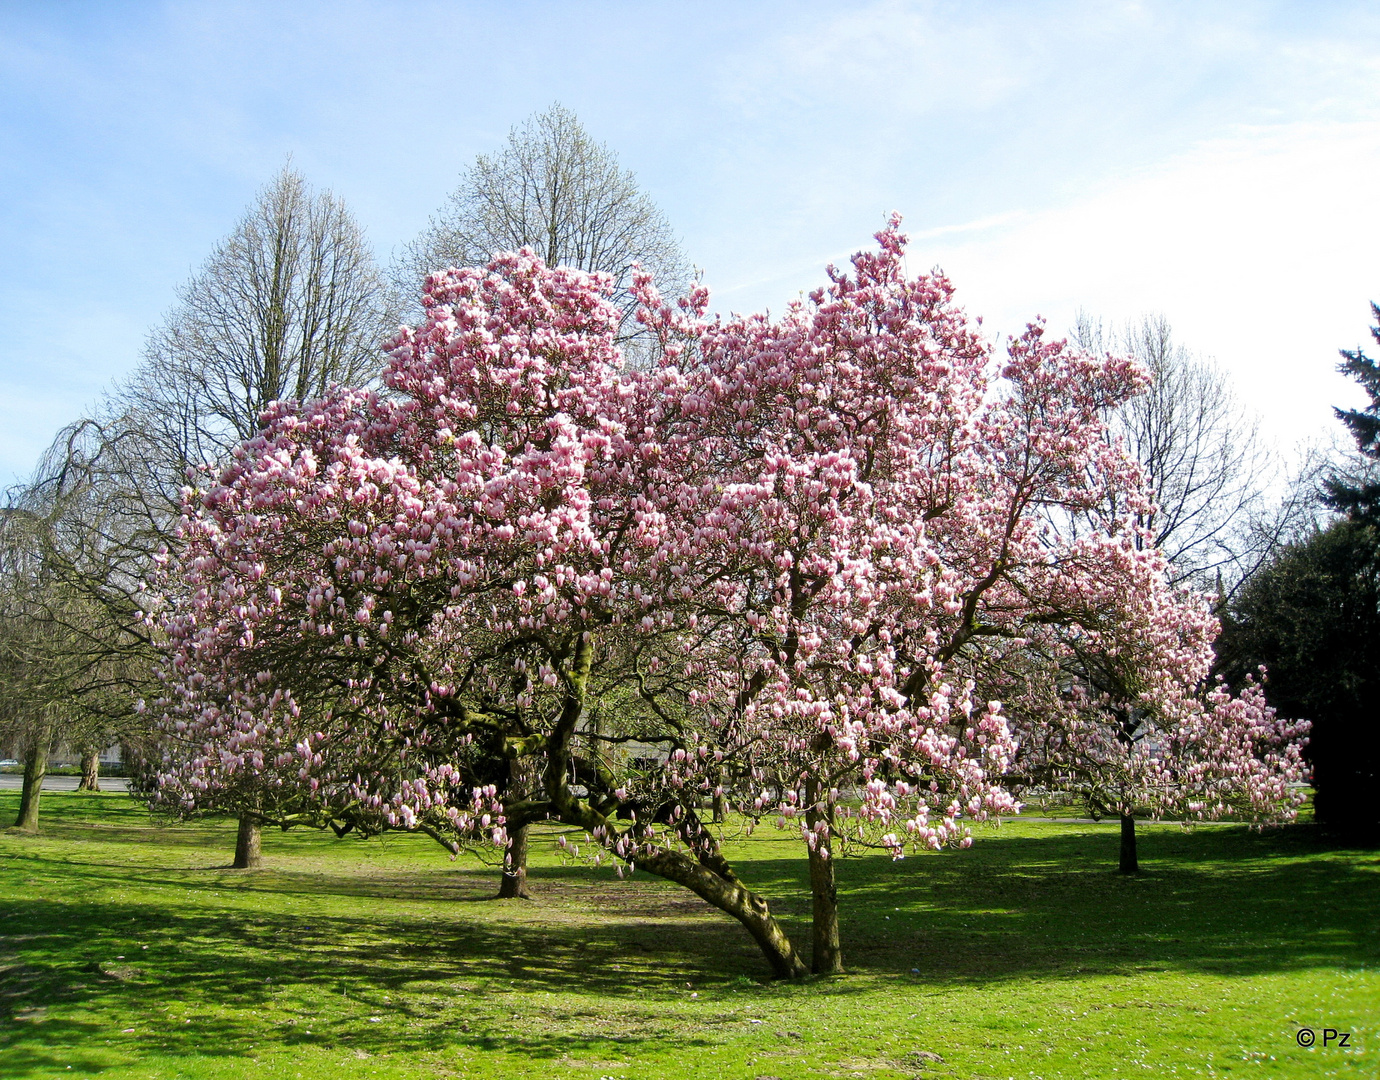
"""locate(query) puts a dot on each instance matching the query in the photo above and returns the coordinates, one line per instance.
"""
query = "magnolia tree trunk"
(827, 955)
(513, 885)
(712, 879)
(35, 766)
(522, 778)
(1128, 845)
(247, 844)
(718, 885)
(708, 875)
(90, 771)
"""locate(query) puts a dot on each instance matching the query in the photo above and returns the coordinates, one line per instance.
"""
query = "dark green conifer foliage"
(1312, 617)
(1359, 499)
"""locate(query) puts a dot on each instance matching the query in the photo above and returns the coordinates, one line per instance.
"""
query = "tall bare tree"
(556, 190)
(552, 188)
(288, 303)
(1201, 451)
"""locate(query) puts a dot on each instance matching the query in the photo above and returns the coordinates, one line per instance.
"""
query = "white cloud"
(1260, 249)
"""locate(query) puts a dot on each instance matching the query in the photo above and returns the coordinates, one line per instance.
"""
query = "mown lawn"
(127, 949)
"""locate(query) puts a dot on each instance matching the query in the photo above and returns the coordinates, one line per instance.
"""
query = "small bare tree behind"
(59, 669)
(554, 189)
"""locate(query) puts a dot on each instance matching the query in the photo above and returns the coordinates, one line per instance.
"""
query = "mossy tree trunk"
(827, 953)
(522, 778)
(708, 874)
(90, 771)
(35, 767)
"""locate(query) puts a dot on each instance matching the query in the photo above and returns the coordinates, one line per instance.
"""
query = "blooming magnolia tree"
(391, 596)
(768, 572)
(1118, 710)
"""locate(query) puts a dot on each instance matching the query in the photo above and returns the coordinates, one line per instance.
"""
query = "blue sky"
(1216, 162)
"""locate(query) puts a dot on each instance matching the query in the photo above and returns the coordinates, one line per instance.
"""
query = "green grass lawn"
(127, 949)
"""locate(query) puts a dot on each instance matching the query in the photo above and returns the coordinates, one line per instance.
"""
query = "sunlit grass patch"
(129, 949)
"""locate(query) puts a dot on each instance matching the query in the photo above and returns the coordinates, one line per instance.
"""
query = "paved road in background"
(61, 783)
(15, 781)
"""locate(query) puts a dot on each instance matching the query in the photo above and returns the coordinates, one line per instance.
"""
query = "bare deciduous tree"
(26, 725)
(554, 189)
(58, 669)
(288, 303)
(1201, 452)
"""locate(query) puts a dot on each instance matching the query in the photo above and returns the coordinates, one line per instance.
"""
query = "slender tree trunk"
(513, 885)
(720, 804)
(1128, 845)
(35, 766)
(827, 949)
(90, 771)
(521, 779)
(247, 844)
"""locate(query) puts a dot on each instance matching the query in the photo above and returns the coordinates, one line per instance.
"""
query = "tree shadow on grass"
(1222, 901)
(433, 984)
(616, 957)
(432, 880)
